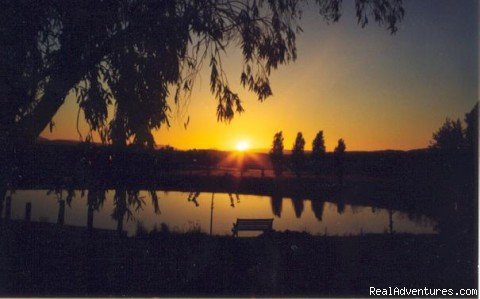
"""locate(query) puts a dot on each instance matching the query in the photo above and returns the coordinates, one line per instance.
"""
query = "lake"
(184, 211)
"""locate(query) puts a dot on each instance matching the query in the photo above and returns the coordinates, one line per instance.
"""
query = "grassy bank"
(43, 260)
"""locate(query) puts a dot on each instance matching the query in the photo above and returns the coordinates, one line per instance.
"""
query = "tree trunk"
(33, 124)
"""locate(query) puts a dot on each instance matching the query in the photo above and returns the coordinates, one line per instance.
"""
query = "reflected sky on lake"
(182, 214)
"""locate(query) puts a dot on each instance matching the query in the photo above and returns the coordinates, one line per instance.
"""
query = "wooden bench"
(264, 225)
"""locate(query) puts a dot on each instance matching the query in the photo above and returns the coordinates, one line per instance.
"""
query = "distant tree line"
(452, 139)
(299, 160)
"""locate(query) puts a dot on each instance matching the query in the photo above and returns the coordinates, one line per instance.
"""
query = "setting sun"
(243, 145)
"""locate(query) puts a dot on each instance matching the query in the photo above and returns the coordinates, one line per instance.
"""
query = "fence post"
(28, 211)
(61, 212)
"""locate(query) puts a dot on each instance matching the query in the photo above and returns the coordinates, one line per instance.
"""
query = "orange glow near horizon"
(382, 93)
(242, 145)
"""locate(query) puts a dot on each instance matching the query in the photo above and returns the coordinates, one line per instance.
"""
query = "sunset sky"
(374, 90)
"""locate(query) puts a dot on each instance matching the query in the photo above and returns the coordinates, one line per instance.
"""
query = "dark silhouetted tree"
(471, 141)
(95, 199)
(456, 154)
(130, 54)
(449, 138)
(471, 130)
(339, 160)
(276, 154)
(298, 154)
(318, 152)
(139, 57)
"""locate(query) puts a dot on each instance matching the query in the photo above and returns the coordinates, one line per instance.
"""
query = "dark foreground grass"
(45, 260)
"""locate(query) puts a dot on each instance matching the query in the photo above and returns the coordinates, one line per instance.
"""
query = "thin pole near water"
(390, 218)
(211, 215)
(61, 212)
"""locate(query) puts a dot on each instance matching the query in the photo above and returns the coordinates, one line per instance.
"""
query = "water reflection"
(340, 207)
(192, 196)
(318, 207)
(276, 203)
(120, 209)
(297, 206)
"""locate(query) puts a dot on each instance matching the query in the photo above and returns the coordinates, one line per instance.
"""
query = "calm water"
(182, 214)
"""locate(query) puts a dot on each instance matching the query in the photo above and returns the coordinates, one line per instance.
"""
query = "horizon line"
(253, 150)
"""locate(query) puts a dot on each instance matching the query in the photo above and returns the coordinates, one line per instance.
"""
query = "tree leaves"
(276, 153)
(318, 146)
(129, 53)
(298, 154)
(384, 12)
(449, 137)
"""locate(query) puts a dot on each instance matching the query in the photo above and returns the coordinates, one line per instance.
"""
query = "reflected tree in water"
(276, 202)
(95, 199)
(192, 197)
(61, 202)
(418, 218)
(340, 207)
(298, 206)
(232, 201)
(233, 198)
(120, 208)
(70, 194)
(126, 202)
(356, 209)
(155, 203)
(318, 207)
